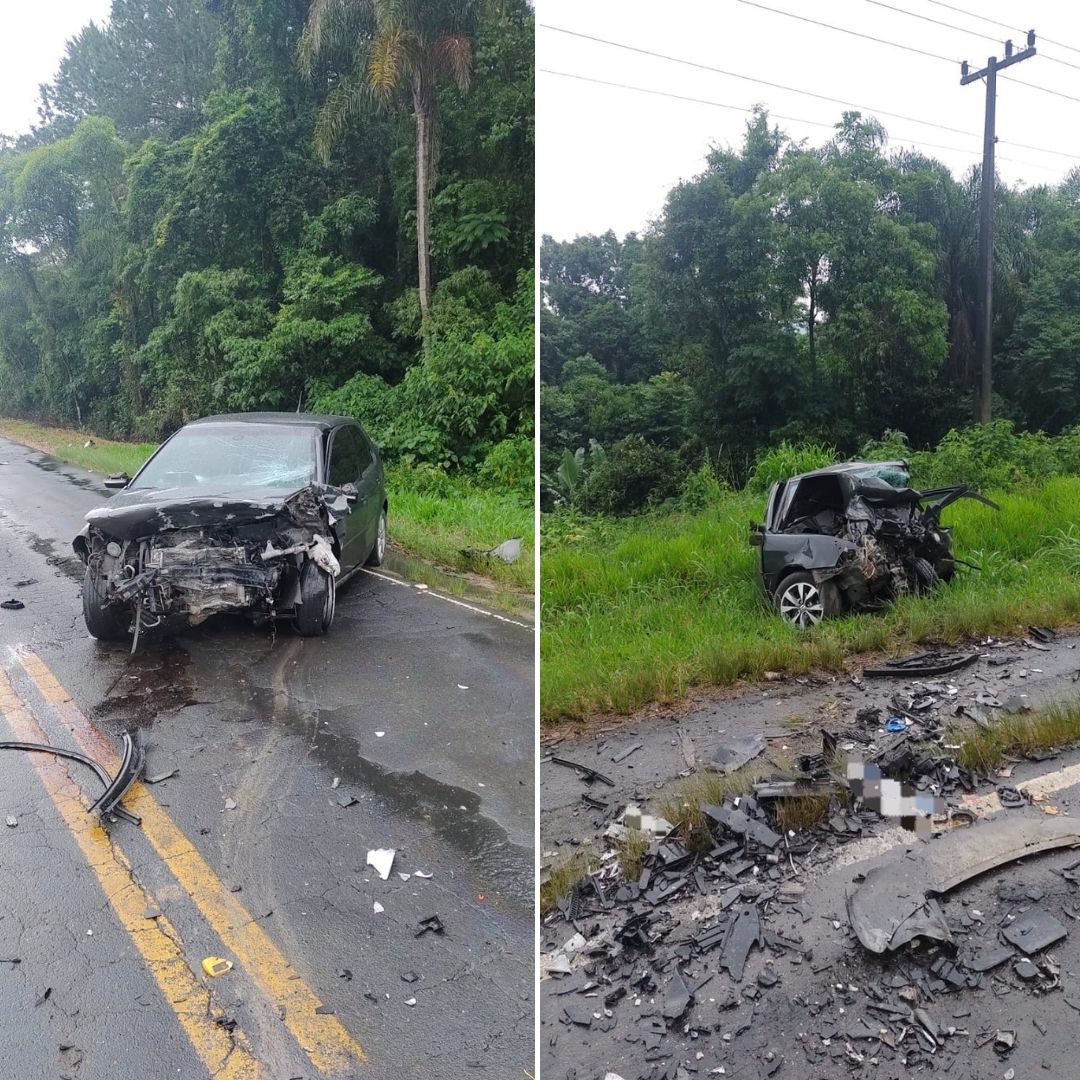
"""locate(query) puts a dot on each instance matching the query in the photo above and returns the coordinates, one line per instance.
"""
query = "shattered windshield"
(888, 471)
(224, 456)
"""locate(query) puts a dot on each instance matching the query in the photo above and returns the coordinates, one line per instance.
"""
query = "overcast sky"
(606, 157)
(30, 50)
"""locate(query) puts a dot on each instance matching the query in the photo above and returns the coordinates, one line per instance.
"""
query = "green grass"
(105, 456)
(1018, 734)
(564, 877)
(646, 608)
(440, 527)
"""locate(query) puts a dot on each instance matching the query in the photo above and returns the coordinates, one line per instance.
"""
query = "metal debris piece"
(158, 777)
(587, 774)
(884, 918)
(736, 752)
(1034, 931)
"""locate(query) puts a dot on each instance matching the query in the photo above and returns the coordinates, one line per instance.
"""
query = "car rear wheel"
(106, 622)
(318, 592)
(803, 603)
(378, 552)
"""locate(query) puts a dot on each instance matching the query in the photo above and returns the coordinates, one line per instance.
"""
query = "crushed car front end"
(853, 537)
(184, 559)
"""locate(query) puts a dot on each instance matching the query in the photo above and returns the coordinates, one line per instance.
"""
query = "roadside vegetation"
(791, 306)
(445, 521)
(244, 206)
(645, 607)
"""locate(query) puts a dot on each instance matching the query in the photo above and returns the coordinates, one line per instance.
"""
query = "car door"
(351, 462)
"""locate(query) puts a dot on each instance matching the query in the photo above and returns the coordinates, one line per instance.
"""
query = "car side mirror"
(117, 480)
(350, 492)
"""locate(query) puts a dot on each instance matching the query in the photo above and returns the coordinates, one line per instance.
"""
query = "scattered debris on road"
(382, 859)
(216, 965)
(587, 774)
(12, 605)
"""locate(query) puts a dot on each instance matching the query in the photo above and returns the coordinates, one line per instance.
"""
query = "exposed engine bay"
(192, 558)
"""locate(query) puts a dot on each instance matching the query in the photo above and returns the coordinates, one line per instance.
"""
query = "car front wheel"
(803, 603)
(106, 622)
(318, 600)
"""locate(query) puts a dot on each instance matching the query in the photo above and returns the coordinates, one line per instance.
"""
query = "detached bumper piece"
(108, 802)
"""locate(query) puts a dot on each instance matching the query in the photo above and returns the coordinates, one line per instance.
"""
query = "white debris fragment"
(12, 821)
(461, 687)
(410, 1001)
(323, 554)
(230, 804)
(382, 859)
(422, 588)
(336, 784)
(422, 874)
(509, 550)
(379, 734)
(404, 877)
(379, 909)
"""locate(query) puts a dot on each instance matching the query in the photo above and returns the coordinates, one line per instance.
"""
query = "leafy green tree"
(391, 52)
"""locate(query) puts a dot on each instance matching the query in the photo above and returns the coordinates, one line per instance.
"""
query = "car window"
(224, 456)
(349, 456)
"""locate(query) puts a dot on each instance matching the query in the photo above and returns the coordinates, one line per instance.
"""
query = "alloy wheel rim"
(381, 541)
(801, 605)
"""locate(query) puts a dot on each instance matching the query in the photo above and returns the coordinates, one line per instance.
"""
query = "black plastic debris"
(1034, 931)
(736, 752)
(744, 933)
(677, 1000)
(586, 774)
(930, 663)
(624, 754)
(25, 582)
(432, 924)
(742, 824)
(12, 605)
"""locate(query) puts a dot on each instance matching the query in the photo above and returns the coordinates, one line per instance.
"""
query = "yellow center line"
(225, 1057)
(323, 1037)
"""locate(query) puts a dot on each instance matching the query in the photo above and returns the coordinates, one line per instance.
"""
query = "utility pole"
(984, 325)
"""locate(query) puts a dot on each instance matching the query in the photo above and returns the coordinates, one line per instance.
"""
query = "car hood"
(143, 512)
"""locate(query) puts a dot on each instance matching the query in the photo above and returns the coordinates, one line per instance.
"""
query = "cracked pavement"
(269, 722)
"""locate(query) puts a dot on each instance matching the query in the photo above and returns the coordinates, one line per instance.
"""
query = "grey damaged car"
(262, 513)
(853, 537)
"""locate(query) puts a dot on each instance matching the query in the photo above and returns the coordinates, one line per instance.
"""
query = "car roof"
(323, 422)
(849, 467)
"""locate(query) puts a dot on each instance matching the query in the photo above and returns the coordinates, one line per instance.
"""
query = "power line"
(776, 116)
(964, 30)
(790, 89)
(853, 33)
(748, 78)
(1004, 26)
(897, 45)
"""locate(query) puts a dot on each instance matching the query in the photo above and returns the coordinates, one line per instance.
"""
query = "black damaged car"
(264, 513)
(853, 537)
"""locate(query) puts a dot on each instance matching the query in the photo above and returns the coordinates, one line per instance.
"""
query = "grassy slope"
(432, 527)
(665, 603)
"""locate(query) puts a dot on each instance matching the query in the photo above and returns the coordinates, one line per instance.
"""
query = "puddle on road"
(55, 465)
(157, 679)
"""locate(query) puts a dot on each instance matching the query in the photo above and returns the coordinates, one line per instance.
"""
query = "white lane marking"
(1038, 787)
(449, 599)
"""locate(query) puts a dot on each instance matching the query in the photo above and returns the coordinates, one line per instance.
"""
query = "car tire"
(314, 614)
(106, 622)
(378, 549)
(802, 602)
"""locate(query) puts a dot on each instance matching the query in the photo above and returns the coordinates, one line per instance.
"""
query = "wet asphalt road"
(247, 852)
(799, 1027)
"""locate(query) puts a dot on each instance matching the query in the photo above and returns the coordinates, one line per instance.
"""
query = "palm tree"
(393, 51)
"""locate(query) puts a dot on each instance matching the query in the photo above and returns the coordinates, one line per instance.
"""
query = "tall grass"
(649, 607)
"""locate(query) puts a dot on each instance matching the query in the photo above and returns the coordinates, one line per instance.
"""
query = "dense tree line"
(218, 210)
(798, 293)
